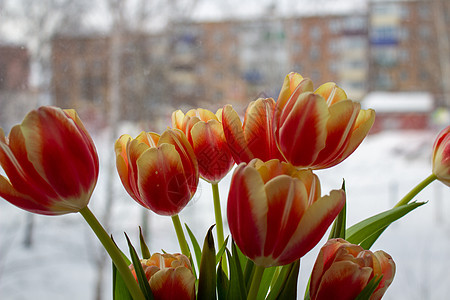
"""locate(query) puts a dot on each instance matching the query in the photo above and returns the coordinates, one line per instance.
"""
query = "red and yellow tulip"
(276, 213)
(50, 162)
(205, 133)
(159, 172)
(342, 270)
(254, 138)
(318, 129)
(441, 156)
(170, 276)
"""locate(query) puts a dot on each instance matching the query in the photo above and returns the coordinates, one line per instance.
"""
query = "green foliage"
(144, 249)
(362, 231)
(140, 274)
(207, 273)
(369, 289)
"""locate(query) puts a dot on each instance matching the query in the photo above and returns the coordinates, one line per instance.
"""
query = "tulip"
(159, 172)
(205, 133)
(318, 129)
(254, 138)
(276, 213)
(342, 270)
(50, 162)
(441, 156)
(170, 276)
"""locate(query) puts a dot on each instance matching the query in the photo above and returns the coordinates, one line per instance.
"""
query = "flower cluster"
(276, 212)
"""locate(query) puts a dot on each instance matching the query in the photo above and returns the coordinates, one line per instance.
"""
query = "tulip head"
(170, 276)
(205, 133)
(50, 162)
(318, 129)
(441, 156)
(159, 172)
(342, 270)
(276, 213)
(254, 138)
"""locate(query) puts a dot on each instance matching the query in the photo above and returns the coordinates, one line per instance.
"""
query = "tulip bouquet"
(276, 212)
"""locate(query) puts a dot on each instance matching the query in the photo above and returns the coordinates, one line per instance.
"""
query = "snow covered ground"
(62, 260)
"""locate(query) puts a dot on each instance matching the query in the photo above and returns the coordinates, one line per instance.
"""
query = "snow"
(62, 260)
(391, 102)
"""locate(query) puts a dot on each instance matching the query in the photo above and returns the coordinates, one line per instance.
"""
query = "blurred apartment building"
(15, 95)
(390, 47)
(404, 43)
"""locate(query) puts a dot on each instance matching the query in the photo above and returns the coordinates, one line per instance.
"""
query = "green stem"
(180, 235)
(219, 223)
(218, 214)
(256, 281)
(408, 197)
(114, 253)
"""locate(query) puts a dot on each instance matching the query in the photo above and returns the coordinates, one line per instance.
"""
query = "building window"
(424, 11)
(315, 33)
(314, 53)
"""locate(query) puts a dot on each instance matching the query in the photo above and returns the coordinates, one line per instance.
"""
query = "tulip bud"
(170, 276)
(342, 270)
(205, 133)
(441, 156)
(276, 213)
(159, 172)
(50, 162)
(254, 138)
(318, 129)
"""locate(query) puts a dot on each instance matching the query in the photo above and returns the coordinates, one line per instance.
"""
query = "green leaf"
(144, 249)
(221, 251)
(207, 276)
(367, 292)
(280, 282)
(120, 290)
(265, 282)
(364, 229)
(140, 274)
(236, 288)
(338, 229)
(248, 272)
(289, 288)
(125, 258)
(222, 283)
(197, 250)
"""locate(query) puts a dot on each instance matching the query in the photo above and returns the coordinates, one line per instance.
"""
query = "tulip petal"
(343, 116)
(258, 130)
(56, 147)
(441, 156)
(234, 134)
(293, 81)
(387, 270)
(202, 114)
(302, 134)
(161, 181)
(287, 201)
(23, 201)
(178, 120)
(247, 210)
(173, 284)
(343, 278)
(211, 149)
(124, 167)
(316, 220)
(22, 180)
(362, 126)
(188, 159)
(331, 92)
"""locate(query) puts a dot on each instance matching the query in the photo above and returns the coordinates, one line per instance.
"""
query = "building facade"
(393, 46)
